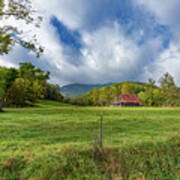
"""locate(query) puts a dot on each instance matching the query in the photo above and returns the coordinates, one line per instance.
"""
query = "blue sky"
(68, 37)
(102, 41)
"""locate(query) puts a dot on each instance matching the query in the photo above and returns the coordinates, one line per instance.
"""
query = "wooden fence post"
(101, 130)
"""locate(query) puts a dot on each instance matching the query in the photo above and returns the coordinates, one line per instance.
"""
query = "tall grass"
(146, 161)
(53, 141)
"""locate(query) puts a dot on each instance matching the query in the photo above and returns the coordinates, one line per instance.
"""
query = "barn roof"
(128, 98)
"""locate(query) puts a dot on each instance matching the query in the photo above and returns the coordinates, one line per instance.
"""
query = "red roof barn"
(127, 100)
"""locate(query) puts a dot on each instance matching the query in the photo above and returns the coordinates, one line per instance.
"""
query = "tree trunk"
(1, 105)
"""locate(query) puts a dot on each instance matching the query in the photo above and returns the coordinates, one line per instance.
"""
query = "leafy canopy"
(10, 35)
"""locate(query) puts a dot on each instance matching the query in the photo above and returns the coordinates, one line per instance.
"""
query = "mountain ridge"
(77, 89)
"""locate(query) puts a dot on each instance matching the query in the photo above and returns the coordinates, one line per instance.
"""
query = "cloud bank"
(104, 41)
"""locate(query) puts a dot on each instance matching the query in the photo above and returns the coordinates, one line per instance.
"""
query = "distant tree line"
(165, 94)
(25, 86)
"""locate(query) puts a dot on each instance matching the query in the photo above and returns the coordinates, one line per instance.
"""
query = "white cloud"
(70, 12)
(108, 54)
(169, 61)
(166, 12)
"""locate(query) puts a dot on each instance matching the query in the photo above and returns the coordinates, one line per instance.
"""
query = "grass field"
(29, 134)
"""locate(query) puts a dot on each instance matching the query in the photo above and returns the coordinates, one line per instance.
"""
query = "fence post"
(101, 130)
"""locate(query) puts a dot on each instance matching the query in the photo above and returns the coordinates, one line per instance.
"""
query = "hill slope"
(73, 90)
(106, 95)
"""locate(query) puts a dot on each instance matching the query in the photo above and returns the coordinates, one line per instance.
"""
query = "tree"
(7, 76)
(18, 94)
(142, 97)
(29, 85)
(171, 92)
(28, 71)
(127, 88)
(11, 36)
(149, 92)
(158, 97)
(116, 90)
(108, 95)
(10, 77)
(53, 92)
(95, 94)
(2, 88)
(152, 96)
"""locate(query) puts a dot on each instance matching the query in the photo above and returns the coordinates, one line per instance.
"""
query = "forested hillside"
(25, 85)
(166, 94)
(74, 90)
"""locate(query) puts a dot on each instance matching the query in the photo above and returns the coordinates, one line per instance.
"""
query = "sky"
(103, 41)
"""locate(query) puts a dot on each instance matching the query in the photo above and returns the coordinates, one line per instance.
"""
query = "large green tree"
(171, 92)
(29, 86)
(19, 10)
(149, 93)
(53, 92)
(2, 87)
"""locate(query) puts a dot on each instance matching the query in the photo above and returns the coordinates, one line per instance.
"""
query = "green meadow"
(56, 141)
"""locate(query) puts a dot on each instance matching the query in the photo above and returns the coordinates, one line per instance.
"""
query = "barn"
(126, 100)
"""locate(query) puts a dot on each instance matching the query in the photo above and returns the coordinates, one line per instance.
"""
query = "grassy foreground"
(54, 141)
